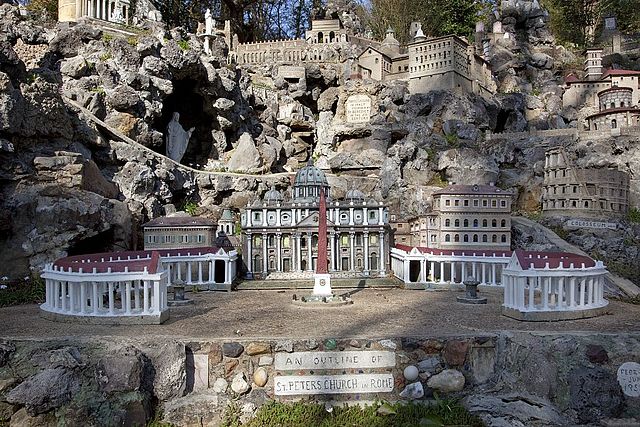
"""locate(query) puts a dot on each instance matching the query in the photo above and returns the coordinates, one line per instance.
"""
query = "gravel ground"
(376, 313)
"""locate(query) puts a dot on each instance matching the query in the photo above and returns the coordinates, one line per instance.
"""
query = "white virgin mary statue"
(177, 139)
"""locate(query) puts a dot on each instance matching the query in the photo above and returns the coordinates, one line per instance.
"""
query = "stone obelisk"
(322, 285)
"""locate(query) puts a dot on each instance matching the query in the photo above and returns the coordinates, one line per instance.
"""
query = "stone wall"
(508, 379)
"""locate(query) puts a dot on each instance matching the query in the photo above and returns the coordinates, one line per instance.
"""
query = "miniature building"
(544, 286)
(130, 287)
(401, 231)
(469, 217)
(616, 93)
(116, 11)
(426, 63)
(281, 237)
(421, 267)
(588, 192)
(226, 224)
(177, 232)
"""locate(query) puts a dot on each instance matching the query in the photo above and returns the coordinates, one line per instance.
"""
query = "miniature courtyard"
(270, 314)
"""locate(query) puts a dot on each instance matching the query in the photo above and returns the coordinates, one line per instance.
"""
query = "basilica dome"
(354, 195)
(273, 196)
(308, 182)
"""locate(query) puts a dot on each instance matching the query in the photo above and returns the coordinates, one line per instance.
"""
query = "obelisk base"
(322, 285)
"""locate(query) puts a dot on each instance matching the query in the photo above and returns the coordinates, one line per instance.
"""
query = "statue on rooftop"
(209, 22)
(177, 138)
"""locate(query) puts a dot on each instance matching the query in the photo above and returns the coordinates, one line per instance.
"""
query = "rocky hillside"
(83, 113)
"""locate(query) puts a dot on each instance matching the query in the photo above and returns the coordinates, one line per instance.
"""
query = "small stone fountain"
(471, 293)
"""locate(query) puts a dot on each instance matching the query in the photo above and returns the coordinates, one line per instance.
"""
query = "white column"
(63, 299)
(277, 217)
(423, 271)
(366, 251)
(189, 279)
(248, 260)
(334, 254)
(572, 292)
(484, 274)
(145, 297)
(382, 258)
(264, 217)
(227, 273)
(432, 270)
(405, 271)
(532, 288)
(474, 270)
(278, 252)
(127, 300)
(157, 303)
(583, 290)
(453, 272)
(309, 253)
(352, 250)
(365, 213)
(560, 302)
(71, 289)
(265, 241)
(83, 297)
(441, 272)
(112, 302)
(136, 295)
(545, 292)
(493, 274)
(179, 271)
(94, 299)
(380, 216)
(298, 252)
(199, 271)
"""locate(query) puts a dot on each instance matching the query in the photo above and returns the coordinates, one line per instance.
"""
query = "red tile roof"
(472, 189)
(456, 252)
(539, 260)
(612, 72)
(131, 261)
(180, 221)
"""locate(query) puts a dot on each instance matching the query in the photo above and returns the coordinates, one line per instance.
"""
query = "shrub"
(106, 37)
(184, 44)
(634, 215)
(29, 290)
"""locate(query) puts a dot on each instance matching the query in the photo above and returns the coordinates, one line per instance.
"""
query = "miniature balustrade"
(555, 289)
(107, 294)
(198, 269)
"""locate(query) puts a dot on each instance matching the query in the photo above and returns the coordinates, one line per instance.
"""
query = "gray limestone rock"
(45, 390)
(245, 157)
(447, 381)
(413, 391)
(239, 384)
(232, 349)
(328, 99)
(168, 360)
(123, 98)
(121, 370)
(75, 67)
(595, 393)
(514, 410)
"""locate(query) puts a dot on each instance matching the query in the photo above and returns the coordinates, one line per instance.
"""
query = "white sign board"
(591, 224)
(335, 360)
(291, 385)
(629, 378)
(358, 109)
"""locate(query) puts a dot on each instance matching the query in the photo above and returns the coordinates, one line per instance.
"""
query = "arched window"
(466, 222)
(475, 238)
(447, 238)
(614, 124)
(447, 223)
(320, 37)
(494, 239)
(456, 238)
(475, 223)
(484, 238)
(504, 238)
(272, 240)
(484, 222)
(465, 238)
(503, 223)
(494, 223)
(457, 223)
(586, 204)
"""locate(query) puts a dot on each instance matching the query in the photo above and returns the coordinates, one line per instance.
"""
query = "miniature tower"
(322, 285)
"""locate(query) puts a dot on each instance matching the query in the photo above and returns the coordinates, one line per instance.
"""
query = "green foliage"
(634, 215)
(184, 44)
(132, 40)
(190, 207)
(50, 7)
(105, 56)
(452, 140)
(580, 21)
(438, 17)
(29, 290)
(382, 414)
(561, 232)
(106, 37)
(97, 89)
(438, 181)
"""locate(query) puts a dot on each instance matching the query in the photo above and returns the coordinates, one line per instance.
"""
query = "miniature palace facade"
(280, 238)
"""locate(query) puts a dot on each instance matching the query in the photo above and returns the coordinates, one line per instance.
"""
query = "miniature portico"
(423, 267)
(542, 286)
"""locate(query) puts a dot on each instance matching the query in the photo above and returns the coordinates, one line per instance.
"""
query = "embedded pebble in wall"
(239, 385)
(220, 385)
(447, 381)
(265, 361)
(388, 344)
(411, 373)
(413, 391)
(260, 377)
